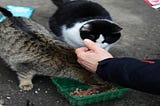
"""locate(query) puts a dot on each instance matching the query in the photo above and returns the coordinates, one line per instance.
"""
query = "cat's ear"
(115, 28)
(59, 3)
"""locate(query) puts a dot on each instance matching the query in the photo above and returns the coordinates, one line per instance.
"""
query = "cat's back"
(24, 41)
(19, 40)
(80, 9)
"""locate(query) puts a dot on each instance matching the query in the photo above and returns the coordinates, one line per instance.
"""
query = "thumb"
(90, 44)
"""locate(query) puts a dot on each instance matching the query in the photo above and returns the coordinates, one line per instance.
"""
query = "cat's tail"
(59, 3)
(5, 12)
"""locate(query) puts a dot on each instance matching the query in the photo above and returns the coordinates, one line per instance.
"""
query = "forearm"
(131, 73)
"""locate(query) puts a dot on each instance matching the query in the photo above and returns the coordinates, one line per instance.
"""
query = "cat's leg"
(24, 72)
(25, 80)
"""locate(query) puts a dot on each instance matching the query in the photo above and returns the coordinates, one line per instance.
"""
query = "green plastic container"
(65, 86)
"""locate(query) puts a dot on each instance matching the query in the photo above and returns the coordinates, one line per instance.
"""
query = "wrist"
(102, 68)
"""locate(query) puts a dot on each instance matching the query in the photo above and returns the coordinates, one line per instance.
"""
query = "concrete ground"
(140, 39)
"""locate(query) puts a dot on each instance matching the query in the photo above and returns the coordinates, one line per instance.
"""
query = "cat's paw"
(25, 85)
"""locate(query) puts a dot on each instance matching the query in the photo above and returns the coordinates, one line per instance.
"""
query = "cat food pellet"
(114, 88)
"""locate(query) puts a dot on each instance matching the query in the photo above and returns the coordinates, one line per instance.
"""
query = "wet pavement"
(140, 39)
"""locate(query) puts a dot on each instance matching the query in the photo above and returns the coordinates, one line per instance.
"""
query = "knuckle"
(76, 51)
(79, 61)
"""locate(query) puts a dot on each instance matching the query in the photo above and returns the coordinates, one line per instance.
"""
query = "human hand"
(90, 55)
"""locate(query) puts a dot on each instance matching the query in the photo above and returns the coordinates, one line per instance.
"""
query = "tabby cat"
(29, 49)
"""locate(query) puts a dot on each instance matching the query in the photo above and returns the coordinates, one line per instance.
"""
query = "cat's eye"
(112, 38)
(87, 35)
(92, 37)
(104, 41)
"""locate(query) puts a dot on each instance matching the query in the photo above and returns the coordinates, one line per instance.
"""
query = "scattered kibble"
(36, 92)
(46, 91)
(21, 90)
(8, 97)
(10, 81)
(39, 89)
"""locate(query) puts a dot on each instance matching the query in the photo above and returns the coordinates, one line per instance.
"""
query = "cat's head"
(103, 32)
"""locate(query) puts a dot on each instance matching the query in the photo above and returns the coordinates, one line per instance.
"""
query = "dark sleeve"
(132, 73)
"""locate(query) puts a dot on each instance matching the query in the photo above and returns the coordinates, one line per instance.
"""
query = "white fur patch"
(72, 35)
(105, 46)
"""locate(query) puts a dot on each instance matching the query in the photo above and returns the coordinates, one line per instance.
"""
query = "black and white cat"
(76, 20)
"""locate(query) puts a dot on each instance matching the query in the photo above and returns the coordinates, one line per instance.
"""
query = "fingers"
(91, 45)
(80, 50)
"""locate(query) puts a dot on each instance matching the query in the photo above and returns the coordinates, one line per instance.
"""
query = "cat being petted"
(29, 49)
(75, 21)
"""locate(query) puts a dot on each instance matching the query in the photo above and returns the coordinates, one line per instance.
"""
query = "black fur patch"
(71, 12)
